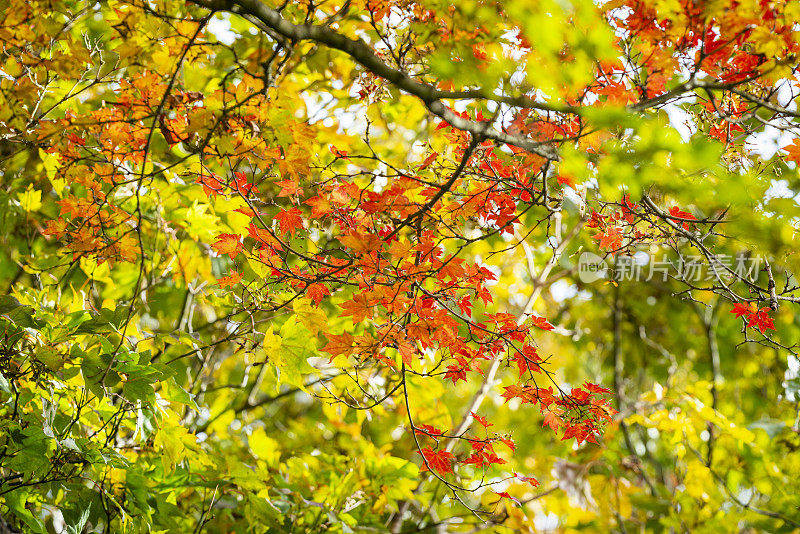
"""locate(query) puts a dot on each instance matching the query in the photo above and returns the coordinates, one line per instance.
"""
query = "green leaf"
(8, 303)
(175, 393)
(16, 501)
(77, 527)
(289, 353)
(139, 389)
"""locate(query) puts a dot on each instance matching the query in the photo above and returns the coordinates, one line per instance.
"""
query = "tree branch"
(361, 52)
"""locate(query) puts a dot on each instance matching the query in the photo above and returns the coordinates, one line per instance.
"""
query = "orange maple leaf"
(552, 420)
(289, 188)
(317, 292)
(611, 239)
(264, 237)
(338, 153)
(73, 206)
(526, 393)
(566, 180)
(339, 345)
(407, 352)
(231, 280)
(295, 161)
(793, 151)
(358, 308)
(229, 244)
(246, 210)
(399, 249)
(55, 228)
(430, 159)
(361, 243)
(290, 220)
(320, 206)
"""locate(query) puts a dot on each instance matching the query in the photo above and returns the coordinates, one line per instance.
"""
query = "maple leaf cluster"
(482, 454)
(582, 414)
(630, 224)
(754, 316)
(612, 228)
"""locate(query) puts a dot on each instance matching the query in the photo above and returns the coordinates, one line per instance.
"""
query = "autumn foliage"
(284, 267)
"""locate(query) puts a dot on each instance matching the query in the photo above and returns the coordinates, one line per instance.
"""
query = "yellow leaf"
(264, 447)
(172, 439)
(30, 199)
(310, 316)
(697, 480)
(93, 270)
(201, 224)
(13, 68)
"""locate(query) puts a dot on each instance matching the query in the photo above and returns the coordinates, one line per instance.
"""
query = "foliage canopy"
(393, 265)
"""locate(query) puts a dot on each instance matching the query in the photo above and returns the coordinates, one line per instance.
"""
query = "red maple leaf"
(594, 388)
(508, 442)
(427, 430)
(755, 317)
(482, 420)
(596, 220)
(580, 432)
(465, 305)
(474, 459)
(212, 186)
(675, 211)
(492, 458)
(743, 309)
(527, 360)
(542, 323)
(456, 372)
(439, 461)
(530, 480)
(505, 495)
(241, 185)
(761, 320)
